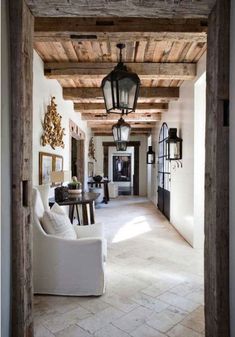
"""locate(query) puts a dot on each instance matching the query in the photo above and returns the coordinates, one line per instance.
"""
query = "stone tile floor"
(154, 282)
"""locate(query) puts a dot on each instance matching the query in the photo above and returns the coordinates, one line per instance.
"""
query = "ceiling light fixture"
(121, 134)
(120, 88)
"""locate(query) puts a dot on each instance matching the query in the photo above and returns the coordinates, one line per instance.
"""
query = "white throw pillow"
(56, 208)
(58, 224)
(44, 192)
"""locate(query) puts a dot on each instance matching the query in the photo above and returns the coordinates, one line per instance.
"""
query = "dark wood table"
(84, 199)
(105, 186)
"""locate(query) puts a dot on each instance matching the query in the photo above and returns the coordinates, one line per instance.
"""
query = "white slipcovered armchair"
(67, 267)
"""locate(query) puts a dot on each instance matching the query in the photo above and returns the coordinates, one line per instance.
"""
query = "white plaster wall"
(232, 170)
(98, 140)
(199, 160)
(181, 116)
(43, 90)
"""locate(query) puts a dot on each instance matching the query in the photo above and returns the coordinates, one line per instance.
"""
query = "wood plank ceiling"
(79, 52)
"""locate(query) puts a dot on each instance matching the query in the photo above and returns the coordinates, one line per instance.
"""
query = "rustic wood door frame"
(217, 174)
(136, 146)
(21, 62)
(216, 180)
(76, 133)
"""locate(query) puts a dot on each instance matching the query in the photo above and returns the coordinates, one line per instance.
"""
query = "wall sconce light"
(174, 145)
(150, 156)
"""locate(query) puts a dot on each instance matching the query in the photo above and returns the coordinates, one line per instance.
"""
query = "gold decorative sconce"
(53, 132)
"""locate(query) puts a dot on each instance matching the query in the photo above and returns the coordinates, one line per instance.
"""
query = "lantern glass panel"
(125, 131)
(150, 158)
(108, 94)
(127, 90)
(174, 150)
(115, 133)
(121, 146)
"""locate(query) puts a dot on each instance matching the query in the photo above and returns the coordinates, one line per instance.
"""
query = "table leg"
(85, 215)
(71, 213)
(107, 191)
(92, 214)
(79, 222)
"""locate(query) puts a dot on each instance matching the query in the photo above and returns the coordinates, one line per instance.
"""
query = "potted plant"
(75, 186)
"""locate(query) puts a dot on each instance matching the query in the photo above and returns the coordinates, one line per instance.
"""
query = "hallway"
(154, 282)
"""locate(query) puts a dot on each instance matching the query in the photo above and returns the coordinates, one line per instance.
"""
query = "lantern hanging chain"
(120, 46)
(120, 55)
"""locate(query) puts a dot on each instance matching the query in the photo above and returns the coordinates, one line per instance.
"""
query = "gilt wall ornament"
(53, 132)
(91, 151)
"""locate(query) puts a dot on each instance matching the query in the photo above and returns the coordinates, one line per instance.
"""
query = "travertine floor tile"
(146, 331)
(100, 320)
(110, 331)
(73, 331)
(150, 302)
(92, 304)
(121, 302)
(166, 319)
(181, 331)
(133, 319)
(41, 331)
(178, 301)
(195, 320)
(60, 322)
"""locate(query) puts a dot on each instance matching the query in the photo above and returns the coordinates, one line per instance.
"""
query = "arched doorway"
(164, 177)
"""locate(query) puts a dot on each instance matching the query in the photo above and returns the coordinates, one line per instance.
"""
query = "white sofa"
(67, 267)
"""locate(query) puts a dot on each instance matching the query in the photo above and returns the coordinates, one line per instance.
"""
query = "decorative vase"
(97, 179)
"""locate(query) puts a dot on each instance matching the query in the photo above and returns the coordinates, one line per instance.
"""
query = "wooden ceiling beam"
(109, 131)
(94, 71)
(137, 132)
(96, 125)
(132, 117)
(120, 29)
(91, 108)
(83, 95)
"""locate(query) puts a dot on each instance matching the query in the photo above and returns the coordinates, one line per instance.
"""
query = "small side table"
(105, 187)
(84, 199)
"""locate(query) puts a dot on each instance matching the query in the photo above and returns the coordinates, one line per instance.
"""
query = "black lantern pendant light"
(174, 145)
(150, 156)
(120, 88)
(121, 131)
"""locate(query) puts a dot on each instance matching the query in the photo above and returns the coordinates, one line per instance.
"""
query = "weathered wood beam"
(91, 70)
(91, 108)
(129, 118)
(105, 132)
(95, 94)
(137, 132)
(103, 124)
(120, 29)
